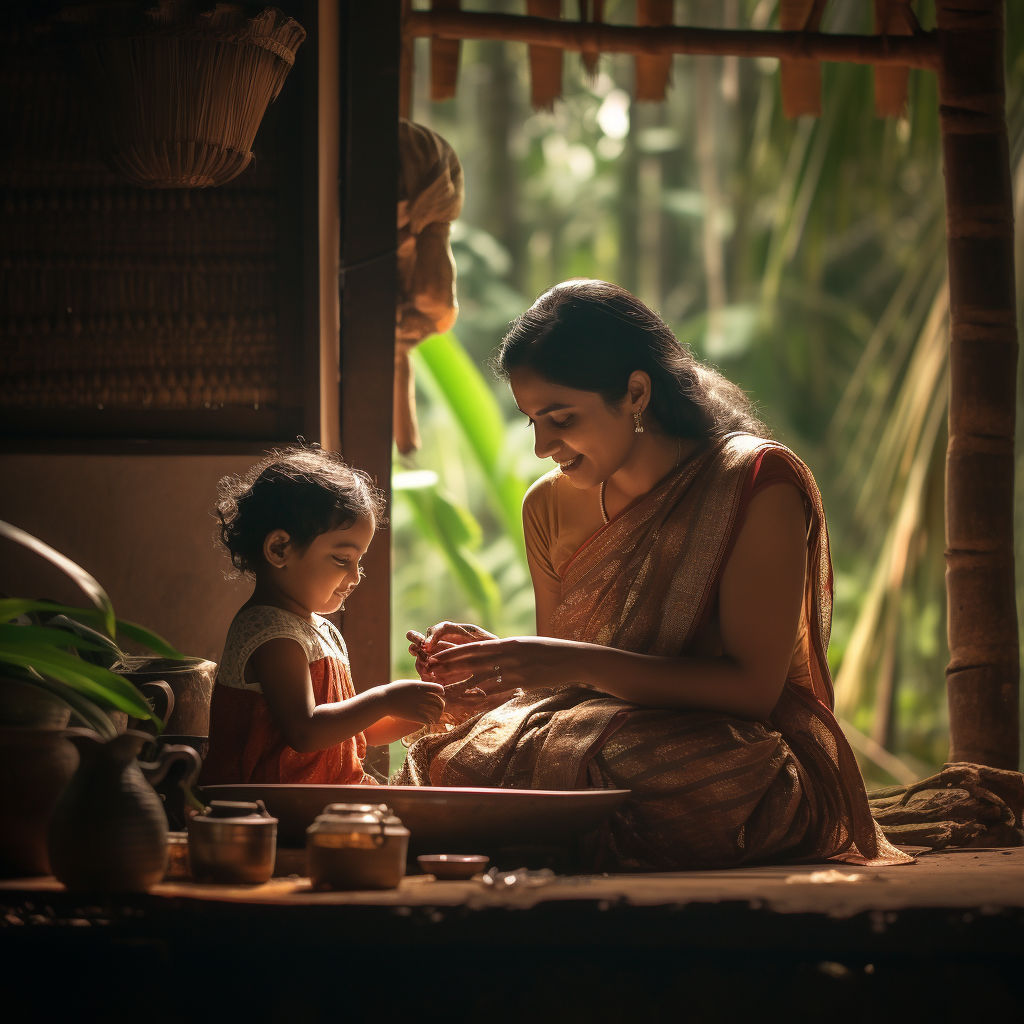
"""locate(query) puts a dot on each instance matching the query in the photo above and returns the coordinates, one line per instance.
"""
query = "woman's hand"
(412, 701)
(496, 666)
(439, 637)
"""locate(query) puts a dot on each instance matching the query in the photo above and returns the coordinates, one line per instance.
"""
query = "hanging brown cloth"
(429, 199)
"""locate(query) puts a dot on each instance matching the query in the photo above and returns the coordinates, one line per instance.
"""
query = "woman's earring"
(638, 420)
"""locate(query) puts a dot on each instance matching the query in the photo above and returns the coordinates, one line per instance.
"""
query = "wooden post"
(983, 673)
(370, 51)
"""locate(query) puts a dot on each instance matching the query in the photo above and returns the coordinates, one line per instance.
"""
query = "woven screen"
(121, 298)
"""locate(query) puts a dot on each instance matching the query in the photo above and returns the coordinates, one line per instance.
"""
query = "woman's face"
(588, 440)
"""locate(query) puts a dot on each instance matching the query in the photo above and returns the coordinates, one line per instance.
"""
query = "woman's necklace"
(679, 458)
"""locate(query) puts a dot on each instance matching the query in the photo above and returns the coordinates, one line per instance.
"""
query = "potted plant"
(54, 663)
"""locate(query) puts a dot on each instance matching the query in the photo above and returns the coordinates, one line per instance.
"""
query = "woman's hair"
(302, 490)
(591, 335)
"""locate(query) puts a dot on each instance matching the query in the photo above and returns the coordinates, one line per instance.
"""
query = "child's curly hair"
(300, 489)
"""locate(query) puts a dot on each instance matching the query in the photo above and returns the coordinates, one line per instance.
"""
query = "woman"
(681, 568)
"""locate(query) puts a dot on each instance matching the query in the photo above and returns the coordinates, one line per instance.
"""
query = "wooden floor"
(939, 939)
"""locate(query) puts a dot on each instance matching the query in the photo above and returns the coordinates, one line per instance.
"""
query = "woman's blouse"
(246, 744)
(558, 520)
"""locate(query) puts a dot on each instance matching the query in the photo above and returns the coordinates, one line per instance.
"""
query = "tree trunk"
(983, 673)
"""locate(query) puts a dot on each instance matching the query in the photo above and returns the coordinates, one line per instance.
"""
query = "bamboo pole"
(916, 51)
(983, 673)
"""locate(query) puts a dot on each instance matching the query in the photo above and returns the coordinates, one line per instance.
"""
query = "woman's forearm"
(678, 683)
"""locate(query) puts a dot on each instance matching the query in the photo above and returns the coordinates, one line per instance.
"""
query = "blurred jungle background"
(803, 258)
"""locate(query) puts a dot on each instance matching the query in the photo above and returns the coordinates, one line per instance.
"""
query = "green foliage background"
(804, 258)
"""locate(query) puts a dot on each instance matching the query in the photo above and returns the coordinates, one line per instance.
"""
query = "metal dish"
(442, 817)
(452, 866)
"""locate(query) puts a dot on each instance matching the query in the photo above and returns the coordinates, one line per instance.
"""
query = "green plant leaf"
(105, 652)
(445, 368)
(448, 527)
(11, 608)
(92, 681)
(21, 636)
(85, 581)
(152, 640)
(87, 710)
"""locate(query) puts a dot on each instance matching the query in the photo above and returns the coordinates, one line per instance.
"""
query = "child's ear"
(275, 548)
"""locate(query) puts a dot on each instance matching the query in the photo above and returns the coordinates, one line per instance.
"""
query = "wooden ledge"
(916, 51)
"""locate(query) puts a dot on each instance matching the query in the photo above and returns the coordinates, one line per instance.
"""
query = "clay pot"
(25, 706)
(108, 831)
(35, 766)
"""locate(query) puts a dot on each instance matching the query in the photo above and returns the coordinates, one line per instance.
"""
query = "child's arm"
(282, 670)
(389, 729)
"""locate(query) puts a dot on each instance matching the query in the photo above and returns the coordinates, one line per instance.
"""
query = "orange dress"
(245, 743)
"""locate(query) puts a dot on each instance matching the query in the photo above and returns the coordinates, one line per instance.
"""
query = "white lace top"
(255, 625)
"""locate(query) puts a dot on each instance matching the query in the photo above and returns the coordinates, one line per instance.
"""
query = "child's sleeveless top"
(245, 742)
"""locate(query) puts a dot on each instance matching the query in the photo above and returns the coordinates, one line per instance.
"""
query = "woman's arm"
(759, 614)
(546, 602)
(282, 670)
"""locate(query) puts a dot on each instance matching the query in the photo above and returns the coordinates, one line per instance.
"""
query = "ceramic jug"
(109, 831)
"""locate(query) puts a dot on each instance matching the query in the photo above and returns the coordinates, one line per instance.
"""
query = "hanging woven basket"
(178, 90)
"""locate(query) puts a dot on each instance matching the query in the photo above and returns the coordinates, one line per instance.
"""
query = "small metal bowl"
(450, 867)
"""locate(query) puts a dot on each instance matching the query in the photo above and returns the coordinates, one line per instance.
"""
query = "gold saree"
(707, 790)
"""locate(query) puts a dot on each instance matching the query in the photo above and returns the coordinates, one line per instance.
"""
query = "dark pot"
(108, 831)
(35, 766)
(191, 682)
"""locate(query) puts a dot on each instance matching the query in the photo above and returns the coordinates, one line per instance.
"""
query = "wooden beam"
(370, 42)
(917, 51)
(983, 673)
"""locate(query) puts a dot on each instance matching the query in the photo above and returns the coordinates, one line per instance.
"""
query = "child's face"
(322, 576)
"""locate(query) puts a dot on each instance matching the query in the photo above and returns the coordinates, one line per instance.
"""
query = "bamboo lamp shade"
(177, 91)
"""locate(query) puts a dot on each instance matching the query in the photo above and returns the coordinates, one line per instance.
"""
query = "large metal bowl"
(442, 819)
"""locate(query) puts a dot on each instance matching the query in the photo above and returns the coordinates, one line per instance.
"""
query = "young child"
(283, 708)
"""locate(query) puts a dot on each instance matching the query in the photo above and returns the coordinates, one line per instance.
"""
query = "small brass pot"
(235, 843)
(356, 846)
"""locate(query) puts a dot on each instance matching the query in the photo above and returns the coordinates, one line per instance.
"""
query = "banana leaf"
(446, 370)
(455, 532)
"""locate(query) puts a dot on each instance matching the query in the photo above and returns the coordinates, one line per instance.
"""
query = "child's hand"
(414, 701)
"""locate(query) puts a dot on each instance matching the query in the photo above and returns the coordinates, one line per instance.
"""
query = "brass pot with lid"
(234, 842)
(356, 846)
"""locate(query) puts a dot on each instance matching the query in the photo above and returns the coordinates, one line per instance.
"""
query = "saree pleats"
(708, 790)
